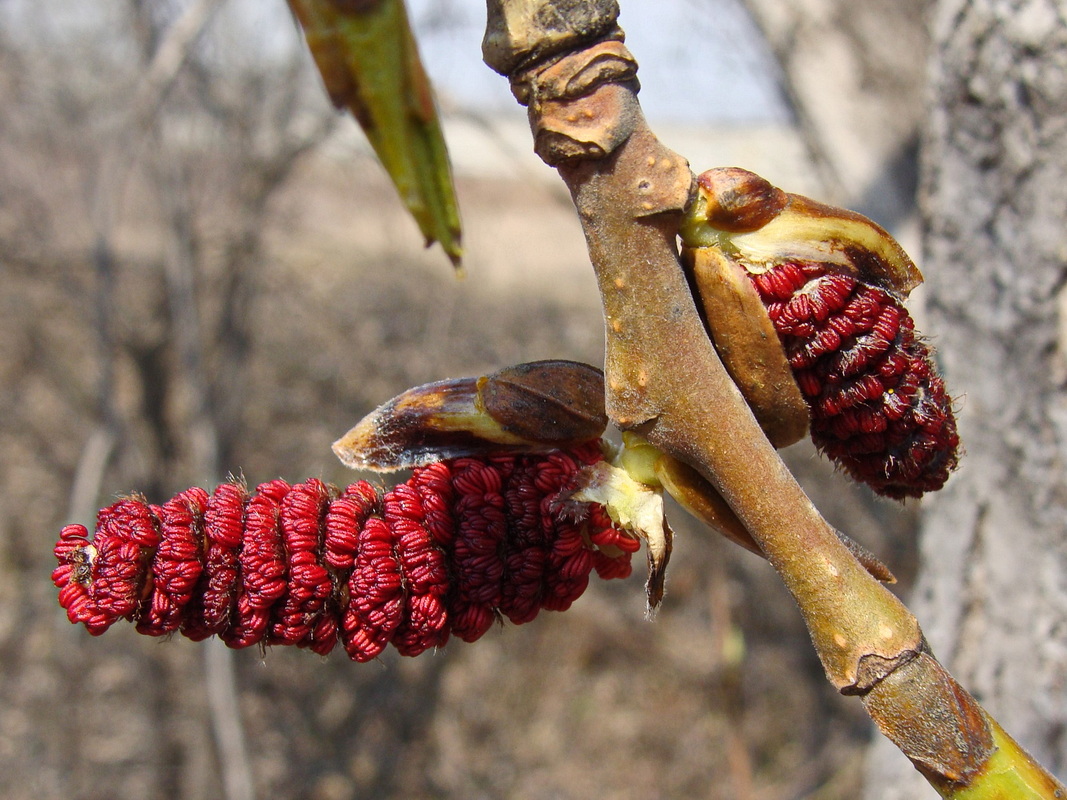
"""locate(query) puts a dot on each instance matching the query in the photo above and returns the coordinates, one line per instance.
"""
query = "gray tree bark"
(992, 591)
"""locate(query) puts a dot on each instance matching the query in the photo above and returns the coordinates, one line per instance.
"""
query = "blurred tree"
(155, 120)
(854, 74)
(992, 591)
(144, 140)
(994, 155)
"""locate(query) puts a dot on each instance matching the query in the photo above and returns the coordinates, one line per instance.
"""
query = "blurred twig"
(226, 721)
(853, 76)
(108, 179)
(158, 77)
(110, 176)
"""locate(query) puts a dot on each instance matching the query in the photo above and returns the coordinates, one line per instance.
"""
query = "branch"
(666, 381)
(152, 90)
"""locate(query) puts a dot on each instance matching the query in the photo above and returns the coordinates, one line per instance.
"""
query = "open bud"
(823, 297)
(456, 547)
(540, 406)
(633, 499)
(537, 406)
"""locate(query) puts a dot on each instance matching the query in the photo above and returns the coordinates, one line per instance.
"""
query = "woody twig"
(664, 379)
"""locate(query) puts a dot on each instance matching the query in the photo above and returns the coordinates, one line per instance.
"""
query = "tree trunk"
(853, 73)
(992, 591)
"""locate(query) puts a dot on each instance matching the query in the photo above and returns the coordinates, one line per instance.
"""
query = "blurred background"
(206, 272)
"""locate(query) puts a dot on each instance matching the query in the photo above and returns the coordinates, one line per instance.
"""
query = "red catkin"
(878, 406)
(460, 545)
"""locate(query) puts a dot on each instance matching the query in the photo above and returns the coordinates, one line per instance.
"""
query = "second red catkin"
(878, 406)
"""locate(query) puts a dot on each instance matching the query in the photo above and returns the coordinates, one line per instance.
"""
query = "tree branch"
(665, 380)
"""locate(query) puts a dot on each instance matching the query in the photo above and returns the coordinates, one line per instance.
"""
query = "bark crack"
(873, 669)
(967, 646)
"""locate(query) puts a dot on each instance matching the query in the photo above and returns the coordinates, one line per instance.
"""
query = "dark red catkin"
(878, 406)
(460, 545)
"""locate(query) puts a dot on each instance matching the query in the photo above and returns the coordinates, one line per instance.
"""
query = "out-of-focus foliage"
(370, 64)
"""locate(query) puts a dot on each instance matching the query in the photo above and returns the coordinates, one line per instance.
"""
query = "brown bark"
(991, 592)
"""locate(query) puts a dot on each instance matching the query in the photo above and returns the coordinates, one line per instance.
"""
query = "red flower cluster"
(458, 546)
(878, 406)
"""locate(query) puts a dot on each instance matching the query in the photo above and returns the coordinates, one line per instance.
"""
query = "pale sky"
(701, 60)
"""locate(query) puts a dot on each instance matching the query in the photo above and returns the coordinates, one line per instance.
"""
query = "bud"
(759, 226)
(527, 408)
(830, 285)
(748, 344)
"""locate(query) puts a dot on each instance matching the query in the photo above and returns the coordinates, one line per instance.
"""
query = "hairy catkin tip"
(460, 545)
(878, 406)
